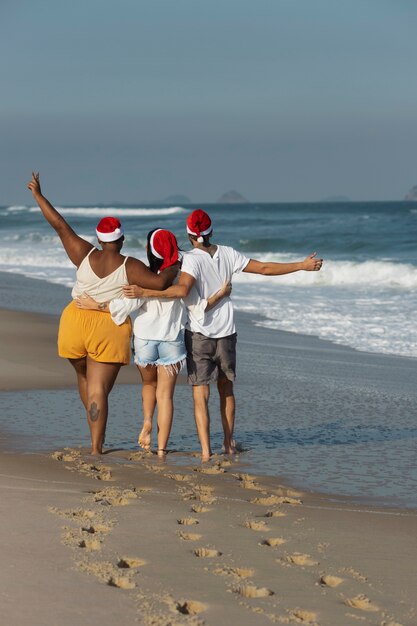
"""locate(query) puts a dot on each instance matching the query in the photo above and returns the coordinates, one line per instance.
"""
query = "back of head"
(162, 249)
(109, 229)
(199, 227)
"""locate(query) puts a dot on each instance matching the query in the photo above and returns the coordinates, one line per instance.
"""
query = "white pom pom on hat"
(109, 229)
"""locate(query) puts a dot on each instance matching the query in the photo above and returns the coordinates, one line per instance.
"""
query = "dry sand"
(129, 539)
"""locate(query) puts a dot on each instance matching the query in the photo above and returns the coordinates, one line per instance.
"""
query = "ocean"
(365, 296)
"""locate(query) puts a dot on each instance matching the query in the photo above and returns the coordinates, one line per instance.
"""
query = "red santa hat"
(109, 229)
(199, 224)
(164, 246)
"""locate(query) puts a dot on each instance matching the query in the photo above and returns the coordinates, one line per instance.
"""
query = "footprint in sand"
(250, 591)
(331, 581)
(90, 544)
(273, 542)
(361, 602)
(240, 572)
(210, 470)
(80, 514)
(301, 559)
(188, 521)
(199, 508)
(67, 455)
(355, 574)
(275, 514)
(307, 617)
(206, 553)
(250, 485)
(108, 574)
(190, 607)
(121, 582)
(130, 563)
(256, 525)
(97, 528)
(138, 456)
(189, 536)
(202, 494)
(179, 477)
(267, 501)
(244, 477)
(114, 497)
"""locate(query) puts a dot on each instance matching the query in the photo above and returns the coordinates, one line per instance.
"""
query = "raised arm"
(76, 247)
(180, 290)
(310, 264)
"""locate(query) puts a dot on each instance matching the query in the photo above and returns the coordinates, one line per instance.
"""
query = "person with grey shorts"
(211, 340)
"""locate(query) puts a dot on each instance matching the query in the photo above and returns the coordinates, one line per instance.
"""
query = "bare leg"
(164, 395)
(80, 366)
(149, 375)
(227, 411)
(201, 394)
(100, 381)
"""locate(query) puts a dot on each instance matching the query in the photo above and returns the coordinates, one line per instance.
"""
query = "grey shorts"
(209, 359)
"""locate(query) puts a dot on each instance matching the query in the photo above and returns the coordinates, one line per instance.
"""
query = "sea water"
(364, 297)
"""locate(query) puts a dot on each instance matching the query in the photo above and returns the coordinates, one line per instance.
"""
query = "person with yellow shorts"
(93, 344)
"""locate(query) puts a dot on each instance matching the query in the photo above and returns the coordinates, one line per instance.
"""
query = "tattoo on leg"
(94, 412)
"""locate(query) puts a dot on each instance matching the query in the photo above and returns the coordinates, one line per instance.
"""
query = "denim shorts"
(156, 352)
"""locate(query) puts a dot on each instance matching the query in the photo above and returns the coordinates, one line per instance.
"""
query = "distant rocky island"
(232, 197)
(412, 194)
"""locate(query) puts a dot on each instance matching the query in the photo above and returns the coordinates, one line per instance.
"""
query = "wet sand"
(128, 539)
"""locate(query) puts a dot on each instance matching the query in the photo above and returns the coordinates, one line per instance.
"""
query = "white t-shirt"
(158, 319)
(210, 273)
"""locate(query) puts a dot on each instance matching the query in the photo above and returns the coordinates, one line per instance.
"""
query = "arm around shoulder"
(180, 290)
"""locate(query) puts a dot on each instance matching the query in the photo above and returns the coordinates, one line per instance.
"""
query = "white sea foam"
(115, 211)
(16, 208)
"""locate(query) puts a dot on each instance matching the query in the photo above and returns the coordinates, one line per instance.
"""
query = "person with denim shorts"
(211, 340)
(158, 344)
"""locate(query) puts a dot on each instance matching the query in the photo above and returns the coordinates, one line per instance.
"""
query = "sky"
(281, 100)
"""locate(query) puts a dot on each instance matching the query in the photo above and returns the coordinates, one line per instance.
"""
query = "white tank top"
(101, 289)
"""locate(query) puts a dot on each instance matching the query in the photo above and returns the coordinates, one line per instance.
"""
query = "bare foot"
(144, 439)
(230, 447)
(206, 456)
(96, 452)
(162, 453)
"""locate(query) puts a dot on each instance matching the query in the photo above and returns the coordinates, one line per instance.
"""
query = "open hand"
(226, 289)
(34, 185)
(85, 301)
(312, 264)
(133, 291)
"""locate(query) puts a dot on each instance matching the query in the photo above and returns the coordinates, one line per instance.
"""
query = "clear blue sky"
(283, 100)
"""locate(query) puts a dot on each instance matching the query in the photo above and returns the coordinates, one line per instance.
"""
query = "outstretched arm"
(180, 290)
(310, 264)
(76, 247)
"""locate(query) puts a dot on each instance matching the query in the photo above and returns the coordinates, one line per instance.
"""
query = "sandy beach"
(128, 539)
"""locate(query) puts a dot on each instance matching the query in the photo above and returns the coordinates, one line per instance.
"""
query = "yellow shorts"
(94, 334)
